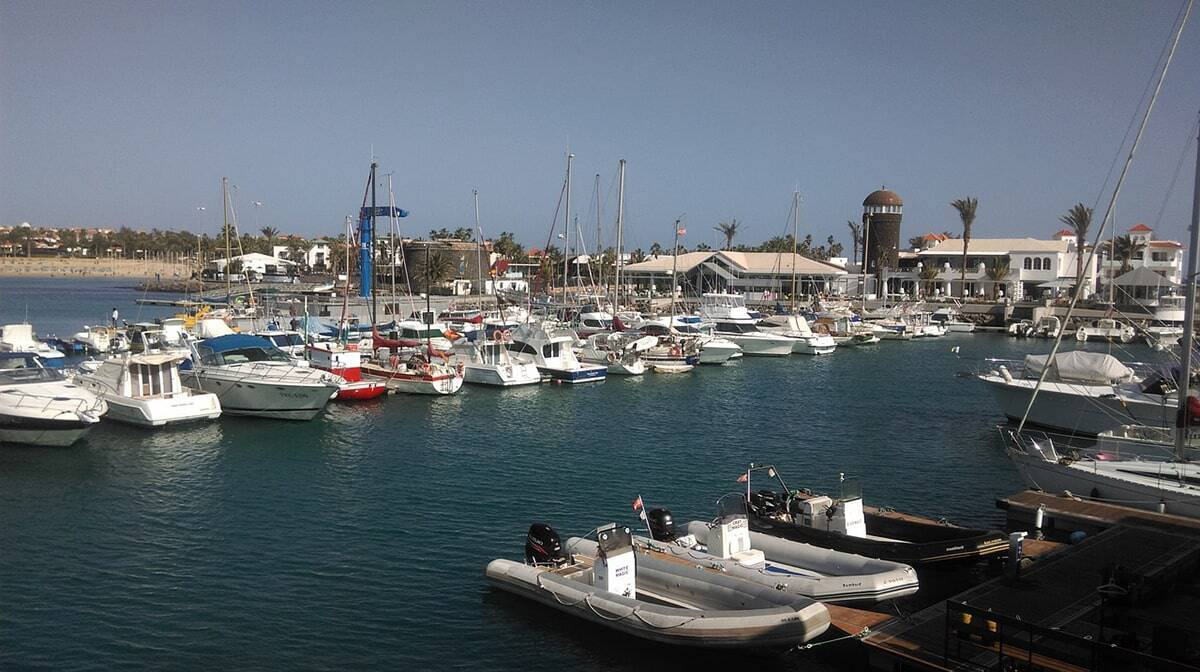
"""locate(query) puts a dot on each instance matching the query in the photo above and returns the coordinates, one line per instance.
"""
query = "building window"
(1029, 263)
(1037, 264)
(1046, 263)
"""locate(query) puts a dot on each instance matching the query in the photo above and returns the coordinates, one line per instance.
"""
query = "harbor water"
(359, 539)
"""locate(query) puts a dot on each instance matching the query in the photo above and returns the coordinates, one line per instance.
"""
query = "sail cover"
(1078, 366)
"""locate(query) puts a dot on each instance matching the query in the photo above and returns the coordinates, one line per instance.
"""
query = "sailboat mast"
(795, 243)
(567, 228)
(620, 232)
(599, 279)
(371, 251)
(392, 226)
(674, 264)
(1189, 316)
(343, 323)
(479, 252)
(225, 228)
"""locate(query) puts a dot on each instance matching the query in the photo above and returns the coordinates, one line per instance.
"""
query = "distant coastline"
(54, 267)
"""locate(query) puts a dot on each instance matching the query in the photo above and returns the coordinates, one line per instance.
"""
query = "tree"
(997, 272)
(1126, 248)
(703, 247)
(856, 236)
(463, 233)
(835, 248)
(966, 212)
(729, 230)
(1079, 219)
(269, 232)
(434, 269)
(655, 250)
(507, 247)
(783, 243)
(929, 275)
(637, 256)
(916, 242)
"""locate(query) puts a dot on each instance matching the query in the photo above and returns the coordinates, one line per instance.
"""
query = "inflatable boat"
(845, 524)
(653, 596)
(727, 545)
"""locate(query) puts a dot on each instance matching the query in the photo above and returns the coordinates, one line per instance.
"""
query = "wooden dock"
(1123, 598)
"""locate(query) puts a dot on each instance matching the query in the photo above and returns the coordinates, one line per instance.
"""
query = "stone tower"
(882, 211)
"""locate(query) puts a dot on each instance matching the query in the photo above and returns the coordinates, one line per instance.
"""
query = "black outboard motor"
(764, 502)
(662, 525)
(543, 546)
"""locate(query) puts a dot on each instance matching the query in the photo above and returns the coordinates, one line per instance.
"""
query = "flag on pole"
(681, 231)
(640, 508)
(743, 478)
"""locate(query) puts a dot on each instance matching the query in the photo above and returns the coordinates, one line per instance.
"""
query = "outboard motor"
(662, 525)
(764, 502)
(543, 546)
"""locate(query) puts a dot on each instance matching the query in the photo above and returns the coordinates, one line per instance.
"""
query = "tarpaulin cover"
(1079, 366)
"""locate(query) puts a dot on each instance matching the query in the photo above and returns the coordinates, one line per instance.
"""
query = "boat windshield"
(732, 505)
(24, 368)
(241, 356)
(285, 340)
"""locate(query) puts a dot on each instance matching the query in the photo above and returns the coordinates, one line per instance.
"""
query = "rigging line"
(1108, 213)
(1187, 146)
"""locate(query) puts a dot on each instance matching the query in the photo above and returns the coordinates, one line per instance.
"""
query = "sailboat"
(793, 325)
(1167, 486)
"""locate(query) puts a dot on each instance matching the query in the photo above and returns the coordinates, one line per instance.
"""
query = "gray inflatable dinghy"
(653, 596)
(728, 545)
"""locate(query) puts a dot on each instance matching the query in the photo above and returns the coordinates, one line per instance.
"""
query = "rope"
(588, 601)
(811, 645)
(556, 599)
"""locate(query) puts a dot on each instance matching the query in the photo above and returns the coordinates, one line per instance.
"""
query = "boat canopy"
(1079, 366)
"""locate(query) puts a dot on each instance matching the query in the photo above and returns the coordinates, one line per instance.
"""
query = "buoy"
(954, 349)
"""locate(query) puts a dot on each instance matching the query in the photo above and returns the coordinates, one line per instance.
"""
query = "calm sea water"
(358, 540)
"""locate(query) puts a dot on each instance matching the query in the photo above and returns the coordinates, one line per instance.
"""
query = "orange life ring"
(612, 358)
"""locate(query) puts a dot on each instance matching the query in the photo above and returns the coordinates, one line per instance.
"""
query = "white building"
(317, 258)
(1036, 268)
(1155, 268)
(254, 264)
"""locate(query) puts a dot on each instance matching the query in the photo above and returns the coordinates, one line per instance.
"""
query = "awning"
(1059, 283)
(1143, 277)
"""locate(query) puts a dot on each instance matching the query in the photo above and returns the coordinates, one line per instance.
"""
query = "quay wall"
(54, 267)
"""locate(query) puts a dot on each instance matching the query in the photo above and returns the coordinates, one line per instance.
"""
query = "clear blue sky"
(117, 113)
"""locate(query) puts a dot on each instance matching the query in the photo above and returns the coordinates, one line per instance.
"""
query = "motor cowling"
(543, 546)
(764, 502)
(662, 524)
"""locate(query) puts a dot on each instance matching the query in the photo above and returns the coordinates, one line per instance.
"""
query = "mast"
(366, 238)
(674, 263)
(392, 226)
(795, 243)
(620, 232)
(1189, 315)
(567, 228)
(369, 268)
(225, 228)
(599, 279)
(479, 255)
(343, 323)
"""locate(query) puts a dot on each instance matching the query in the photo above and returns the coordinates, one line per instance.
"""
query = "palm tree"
(1126, 248)
(435, 269)
(269, 232)
(298, 250)
(856, 236)
(655, 250)
(966, 212)
(1079, 219)
(997, 273)
(916, 242)
(929, 275)
(729, 230)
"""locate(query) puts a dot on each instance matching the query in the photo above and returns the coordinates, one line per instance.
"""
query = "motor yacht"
(40, 406)
(145, 389)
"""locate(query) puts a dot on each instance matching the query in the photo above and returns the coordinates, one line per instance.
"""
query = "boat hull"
(501, 376)
(162, 412)
(269, 399)
(761, 347)
(587, 374)
(1078, 408)
(38, 432)
(1057, 478)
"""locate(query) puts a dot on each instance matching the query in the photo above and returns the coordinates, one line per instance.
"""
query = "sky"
(130, 113)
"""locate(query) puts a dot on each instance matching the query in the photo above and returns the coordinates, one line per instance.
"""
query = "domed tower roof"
(883, 197)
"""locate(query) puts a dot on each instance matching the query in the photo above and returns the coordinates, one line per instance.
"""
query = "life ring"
(452, 335)
(675, 351)
(426, 368)
(612, 358)
(506, 335)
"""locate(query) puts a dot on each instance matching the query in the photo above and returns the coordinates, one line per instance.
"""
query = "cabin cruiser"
(893, 330)
(796, 327)
(20, 338)
(344, 361)
(731, 320)
(951, 321)
(1106, 329)
(592, 320)
(846, 331)
(550, 349)
(102, 339)
(620, 352)
(1047, 326)
(253, 377)
(1084, 393)
(713, 349)
(40, 406)
(728, 546)
(618, 585)
(291, 342)
(145, 389)
(845, 524)
(488, 362)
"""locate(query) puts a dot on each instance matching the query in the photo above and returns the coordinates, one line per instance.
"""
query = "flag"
(681, 231)
(743, 478)
(637, 503)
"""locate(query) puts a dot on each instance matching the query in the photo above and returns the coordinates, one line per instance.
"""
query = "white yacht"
(796, 327)
(1106, 329)
(488, 362)
(145, 389)
(102, 339)
(551, 351)
(731, 320)
(713, 349)
(1084, 393)
(40, 406)
(620, 352)
(20, 338)
(951, 321)
(253, 377)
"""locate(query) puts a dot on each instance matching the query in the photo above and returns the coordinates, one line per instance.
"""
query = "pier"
(1122, 598)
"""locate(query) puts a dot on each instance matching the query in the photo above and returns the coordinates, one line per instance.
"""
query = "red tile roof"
(1140, 228)
(1165, 243)
(1065, 232)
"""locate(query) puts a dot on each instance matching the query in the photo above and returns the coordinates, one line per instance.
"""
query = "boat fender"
(1005, 374)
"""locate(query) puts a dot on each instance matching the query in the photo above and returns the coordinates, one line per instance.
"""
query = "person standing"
(115, 316)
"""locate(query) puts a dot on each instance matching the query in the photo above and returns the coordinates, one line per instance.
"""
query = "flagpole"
(641, 506)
